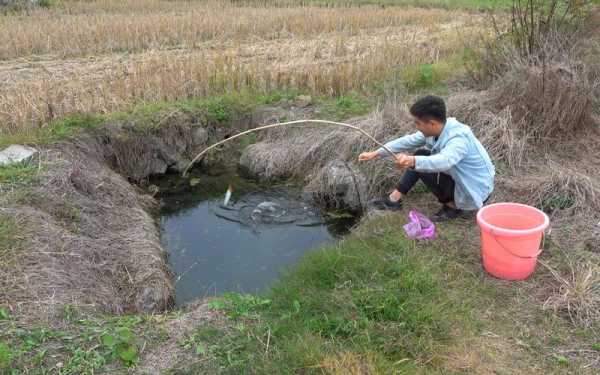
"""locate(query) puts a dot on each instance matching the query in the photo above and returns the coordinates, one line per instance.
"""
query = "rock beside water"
(342, 184)
(17, 154)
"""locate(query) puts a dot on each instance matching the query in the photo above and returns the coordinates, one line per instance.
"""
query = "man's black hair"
(428, 108)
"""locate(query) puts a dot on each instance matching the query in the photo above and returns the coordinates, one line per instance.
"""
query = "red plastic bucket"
(511, 234)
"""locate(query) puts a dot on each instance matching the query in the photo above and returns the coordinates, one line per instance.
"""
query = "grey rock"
(17, 154)
(344, 183)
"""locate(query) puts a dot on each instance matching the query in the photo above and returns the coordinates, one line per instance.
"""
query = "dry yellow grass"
(77, 29)
(189, 49)
(348, 363)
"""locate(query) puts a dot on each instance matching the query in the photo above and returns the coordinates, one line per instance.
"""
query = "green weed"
(5, 356)
(561, 360)
(18, 173)
(433, 75)
(558, 202)
(342, 107)
(119, 343)
(273, 97)
(69, 126)
(240, 305)
(84, 347)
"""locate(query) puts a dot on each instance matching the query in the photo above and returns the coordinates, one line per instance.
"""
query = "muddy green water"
(241, 247)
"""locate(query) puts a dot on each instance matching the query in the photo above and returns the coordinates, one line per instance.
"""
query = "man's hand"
(404, 161)
(366, 156)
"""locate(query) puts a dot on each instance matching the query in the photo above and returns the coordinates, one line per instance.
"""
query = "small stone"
(17, 154)
(303, 101)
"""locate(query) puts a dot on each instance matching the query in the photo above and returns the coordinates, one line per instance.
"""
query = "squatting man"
(445, 155)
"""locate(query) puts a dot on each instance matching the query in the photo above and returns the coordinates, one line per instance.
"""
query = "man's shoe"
(385, 204)
(446, 213)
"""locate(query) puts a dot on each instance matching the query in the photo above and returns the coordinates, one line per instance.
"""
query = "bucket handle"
(521, 256)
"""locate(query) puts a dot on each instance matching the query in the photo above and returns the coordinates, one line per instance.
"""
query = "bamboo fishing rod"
(185, 171)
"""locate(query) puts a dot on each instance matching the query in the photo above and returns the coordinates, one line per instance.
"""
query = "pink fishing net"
(419, 227)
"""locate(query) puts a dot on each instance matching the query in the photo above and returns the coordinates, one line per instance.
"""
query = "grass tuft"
(17, 174)
(577, 295)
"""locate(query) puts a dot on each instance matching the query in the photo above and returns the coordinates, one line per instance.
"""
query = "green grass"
(57, 130)
(343, 107)
(376, 298)
(17, 174)
(437, 75)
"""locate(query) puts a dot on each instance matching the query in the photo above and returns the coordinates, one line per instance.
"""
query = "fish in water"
(227, 195)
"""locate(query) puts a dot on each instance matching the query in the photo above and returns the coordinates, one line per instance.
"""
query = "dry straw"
(577, 294)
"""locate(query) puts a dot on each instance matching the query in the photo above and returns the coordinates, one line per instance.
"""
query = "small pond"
(240, 247)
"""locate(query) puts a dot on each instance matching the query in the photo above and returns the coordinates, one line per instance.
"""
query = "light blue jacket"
(457, 153)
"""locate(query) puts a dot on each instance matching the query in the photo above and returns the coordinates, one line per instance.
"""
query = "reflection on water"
(241, 247)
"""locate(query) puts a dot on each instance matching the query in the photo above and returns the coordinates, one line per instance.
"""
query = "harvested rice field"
(123, 252)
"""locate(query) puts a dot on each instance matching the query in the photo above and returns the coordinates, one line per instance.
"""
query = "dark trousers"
(440, 184)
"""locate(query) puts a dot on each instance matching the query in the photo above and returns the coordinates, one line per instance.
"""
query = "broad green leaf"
(124, 334)
(108, 340)
(128, 353)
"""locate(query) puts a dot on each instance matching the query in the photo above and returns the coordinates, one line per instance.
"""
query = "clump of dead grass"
(548, 103)
(348, 363)
(577, 295)
(496, 129)
(531, 106)
(563, 187)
